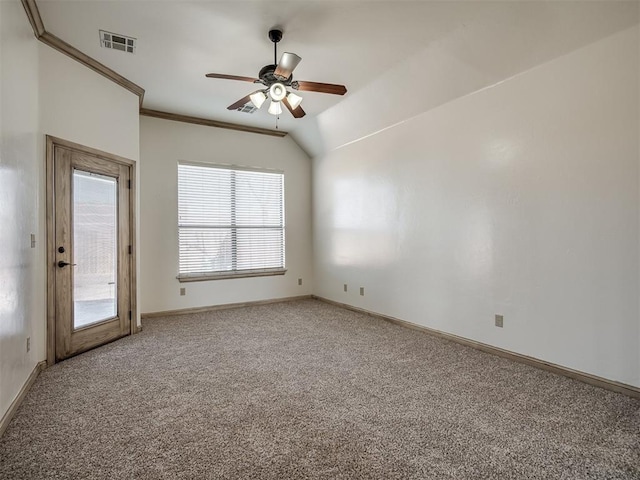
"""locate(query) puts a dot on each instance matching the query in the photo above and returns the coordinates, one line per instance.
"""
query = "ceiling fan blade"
(322, 88)
(231, 77)
(297, 113)
(288, 62)
(243, 101)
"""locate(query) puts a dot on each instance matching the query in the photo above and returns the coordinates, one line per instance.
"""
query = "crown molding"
(62, 46)
(34, 17)
(210, 123)
(31, 8)
(40, 32)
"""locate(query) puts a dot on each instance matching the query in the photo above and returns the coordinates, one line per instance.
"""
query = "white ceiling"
(347, 42)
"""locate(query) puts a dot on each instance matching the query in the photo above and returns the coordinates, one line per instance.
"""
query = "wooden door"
(90, 250)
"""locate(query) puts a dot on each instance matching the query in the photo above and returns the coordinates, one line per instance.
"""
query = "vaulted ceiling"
(389, 54)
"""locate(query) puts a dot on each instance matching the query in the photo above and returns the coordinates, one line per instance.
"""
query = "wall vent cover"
(247, 108)
(115, 41)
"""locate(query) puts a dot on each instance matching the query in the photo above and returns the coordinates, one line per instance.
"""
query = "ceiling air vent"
(247, 108)
(115, 41)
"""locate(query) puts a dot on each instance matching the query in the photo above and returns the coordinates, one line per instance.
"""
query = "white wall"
(21, 288)
(521, 199)
(163, 143)
(79, 105)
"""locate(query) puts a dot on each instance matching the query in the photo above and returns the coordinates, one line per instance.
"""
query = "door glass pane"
(95, 235)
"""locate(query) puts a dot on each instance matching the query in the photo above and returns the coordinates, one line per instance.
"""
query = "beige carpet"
(308, 390)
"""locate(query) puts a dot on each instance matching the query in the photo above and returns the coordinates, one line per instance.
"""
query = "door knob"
(62, 264)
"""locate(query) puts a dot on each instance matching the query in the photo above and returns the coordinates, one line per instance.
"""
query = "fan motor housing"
(268, 78)
(275, 35)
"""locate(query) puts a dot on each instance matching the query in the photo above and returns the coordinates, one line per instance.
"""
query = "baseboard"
(594, 380)
(226, 306)
(13, 408)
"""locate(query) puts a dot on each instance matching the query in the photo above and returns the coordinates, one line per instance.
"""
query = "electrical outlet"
(499, 321)
(345, 287)
(183, 291)
(362, 291)
(28, 344)
(33, 240)
(299, 281)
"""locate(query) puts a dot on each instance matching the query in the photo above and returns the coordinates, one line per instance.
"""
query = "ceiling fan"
(276, 78)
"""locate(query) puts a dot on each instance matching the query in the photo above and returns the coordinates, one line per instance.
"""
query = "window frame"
(229, 274)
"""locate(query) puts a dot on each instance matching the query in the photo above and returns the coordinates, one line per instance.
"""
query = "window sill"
(229, 275)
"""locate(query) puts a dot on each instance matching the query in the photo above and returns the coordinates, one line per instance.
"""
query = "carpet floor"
(305, 389)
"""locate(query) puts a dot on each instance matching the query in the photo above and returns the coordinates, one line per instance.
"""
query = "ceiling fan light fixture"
(294, 100)
(277, 92)
(258, 98)
(274, 79)
(275, 108)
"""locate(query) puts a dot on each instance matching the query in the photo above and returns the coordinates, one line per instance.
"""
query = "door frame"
(51, 143)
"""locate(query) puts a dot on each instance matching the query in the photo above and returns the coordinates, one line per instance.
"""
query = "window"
(230, 222)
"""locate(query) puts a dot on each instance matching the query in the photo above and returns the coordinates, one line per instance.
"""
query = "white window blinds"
(229, 221)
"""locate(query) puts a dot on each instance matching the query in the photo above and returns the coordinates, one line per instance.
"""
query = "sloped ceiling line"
(33, 14)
